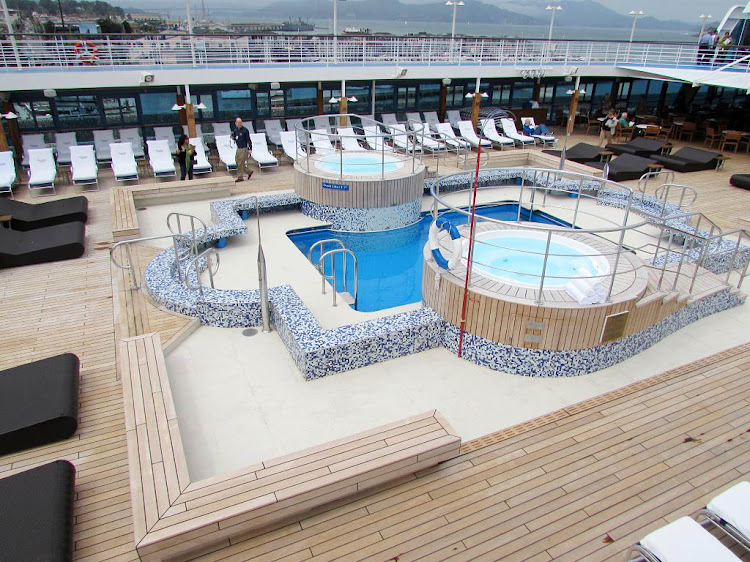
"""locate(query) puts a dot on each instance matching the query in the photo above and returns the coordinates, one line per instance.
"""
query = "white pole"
(704, 18)
(187, 94)
(10, 33)
(551, 25)
(372, 98)
(190, 30)
(335, 29)
(635, 14)
(453, 24)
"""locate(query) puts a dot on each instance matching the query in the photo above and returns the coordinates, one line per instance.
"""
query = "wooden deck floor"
(581, 483)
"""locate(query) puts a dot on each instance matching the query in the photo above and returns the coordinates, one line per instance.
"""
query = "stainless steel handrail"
(206, 254)
(131, 266)
(333, 277)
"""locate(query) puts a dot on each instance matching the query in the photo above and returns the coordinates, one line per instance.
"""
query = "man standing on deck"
(241, 137)
(706, 47)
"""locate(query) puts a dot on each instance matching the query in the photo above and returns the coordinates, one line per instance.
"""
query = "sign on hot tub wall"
(336, 186)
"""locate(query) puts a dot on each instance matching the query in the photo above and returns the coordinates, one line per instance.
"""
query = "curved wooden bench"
(173, 516)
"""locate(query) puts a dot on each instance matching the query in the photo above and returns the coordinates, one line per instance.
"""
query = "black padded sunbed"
(688, 160)
(38, 403)
(624, 167)
(52, 243)
(27, 216)
(582, 152)
(740, 180)
(639, 146)
(36, 514)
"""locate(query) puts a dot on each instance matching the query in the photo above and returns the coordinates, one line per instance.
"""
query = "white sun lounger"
(322, 122)
(222, 129)
(424, 137)
(273, 128)
(291, 125)
(7, 172)
(198, 131)
(167, 134)
(730, 511)
(349, 140)
(445, 131)
(201, 165)
(63, 142)
(102, 140)
(467, 132)
(42, 169)
(375, 140)
(31, 142)
(134, 138)
(453, 116)
(321, 141)
(401, 139)
(431, 118)
(490, 131)
(227, 151)
(389, 119)
(542, 139)
(123, 161)
(509, 128)
(683, 540)
(291, 146)
(260, 151)
(83, 167)
(414, 119)
(160, 158)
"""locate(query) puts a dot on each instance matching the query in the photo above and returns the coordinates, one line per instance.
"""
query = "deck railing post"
(730, 267)
(619, 247)
(539, 299)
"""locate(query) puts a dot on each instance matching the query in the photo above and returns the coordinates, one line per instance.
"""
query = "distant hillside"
(474, 11)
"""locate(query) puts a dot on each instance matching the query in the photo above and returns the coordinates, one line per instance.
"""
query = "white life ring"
(458, 246)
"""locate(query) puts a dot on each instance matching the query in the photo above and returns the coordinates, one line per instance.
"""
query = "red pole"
(471, 251)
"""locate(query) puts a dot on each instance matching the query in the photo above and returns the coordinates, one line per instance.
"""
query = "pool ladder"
(338, 248)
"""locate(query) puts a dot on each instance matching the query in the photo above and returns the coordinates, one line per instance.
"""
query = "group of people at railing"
(715, 49)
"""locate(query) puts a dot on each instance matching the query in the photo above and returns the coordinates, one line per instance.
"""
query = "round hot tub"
(516, 257)
(359, 164)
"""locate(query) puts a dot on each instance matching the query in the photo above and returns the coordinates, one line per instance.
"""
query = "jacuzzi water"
(517, 257)
(390, 262)
(356, 164)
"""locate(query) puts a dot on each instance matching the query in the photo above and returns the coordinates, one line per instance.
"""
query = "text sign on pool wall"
(336, 186)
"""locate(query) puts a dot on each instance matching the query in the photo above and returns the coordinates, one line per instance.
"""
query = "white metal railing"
(51, 51)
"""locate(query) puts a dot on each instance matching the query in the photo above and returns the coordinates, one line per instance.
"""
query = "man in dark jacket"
(241, 136)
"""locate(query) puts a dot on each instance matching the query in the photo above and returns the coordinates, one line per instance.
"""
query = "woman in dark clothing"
(185, 153)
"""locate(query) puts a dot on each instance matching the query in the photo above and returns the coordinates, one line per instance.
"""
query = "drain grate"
(249, 332)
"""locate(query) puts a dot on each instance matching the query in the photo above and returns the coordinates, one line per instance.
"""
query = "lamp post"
(552, 9)
(476, 98)
(455, 4)
(635, 14)
(575, 93)
(704, 18)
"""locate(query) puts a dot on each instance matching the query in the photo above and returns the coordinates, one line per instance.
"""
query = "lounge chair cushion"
(740, 180)
(27, 216)
(638, 147)
(624, 167)
(582, 152)
(36, 514)
(38, 403)
(733, 506)
(686, 541)
(42, 245)
(688, 160)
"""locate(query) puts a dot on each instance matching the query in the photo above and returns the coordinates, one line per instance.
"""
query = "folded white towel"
(586, 289)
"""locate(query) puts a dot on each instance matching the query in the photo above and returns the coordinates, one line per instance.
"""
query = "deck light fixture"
(472, 94)
(635, 14)
(338, 100)
(554, 10)
(9, 115)
(200, 105)
(455, 5)
(177, 107)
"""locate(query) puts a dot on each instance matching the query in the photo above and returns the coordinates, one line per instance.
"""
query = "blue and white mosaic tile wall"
(364, 220)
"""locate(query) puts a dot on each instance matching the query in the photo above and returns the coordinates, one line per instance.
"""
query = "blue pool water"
(353, 163)
(390, 262)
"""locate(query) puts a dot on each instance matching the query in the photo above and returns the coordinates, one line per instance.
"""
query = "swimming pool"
(390, 262)
(356, 164)
(516, 257)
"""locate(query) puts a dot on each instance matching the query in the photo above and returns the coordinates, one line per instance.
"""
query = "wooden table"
(720, 159)
(606, 155)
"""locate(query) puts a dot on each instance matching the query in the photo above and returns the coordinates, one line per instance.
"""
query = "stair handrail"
(643, 180)
(333, 277)
(322, 243)
(131, 266)
(206, 254)
(663, 191)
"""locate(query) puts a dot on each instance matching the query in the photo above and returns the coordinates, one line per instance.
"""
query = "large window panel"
(157, 107)
(301, 101)
(233, 103)
(77, 112)
(120, 111)
(429, 96)
(523, 92)
(34, 115)
(204, 114)
(384, 98)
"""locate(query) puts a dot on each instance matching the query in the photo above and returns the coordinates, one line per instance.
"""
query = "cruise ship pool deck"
(573, 468)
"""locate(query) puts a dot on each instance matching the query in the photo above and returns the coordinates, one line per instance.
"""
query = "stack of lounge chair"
(260, 152)
(7, 172)
(689, 160)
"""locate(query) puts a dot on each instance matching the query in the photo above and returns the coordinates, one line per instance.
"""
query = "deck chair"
(30, 216)
(160, 158)
(490, 131)
(322, 122)
(42, 169)
(509, 128)
(167, 134)
(467, 132)
(198, 131)
(414, 118)
(426, 140)
(102, 140)
(349, 140)
(41, 245)
(445, 132)
(124, 166)
(375, 140)
(541, 139)
(260, 151)
(454, 117)
(31, 142)
(389, 118)
(7, 172)
(683, 540)
(222, 129)
(63, 142)
(431, 118)
(201, 164)
(227, 151)
(273, 128)
(84, 170)
(322, 142)
(291, 146)
(401, 139)
(291, 125)
(133, 136)
(730, 512)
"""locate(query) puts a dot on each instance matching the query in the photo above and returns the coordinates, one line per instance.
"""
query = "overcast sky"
(685, 10)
